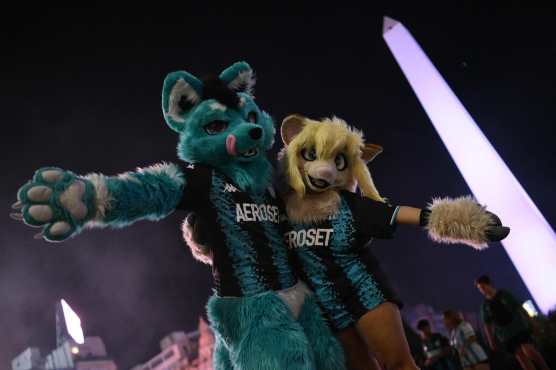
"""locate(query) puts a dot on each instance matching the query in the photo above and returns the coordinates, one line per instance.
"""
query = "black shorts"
(354, 307)
(513, 344)
(373, 266)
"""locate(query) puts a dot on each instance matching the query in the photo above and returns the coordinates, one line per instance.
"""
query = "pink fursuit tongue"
(231, 145)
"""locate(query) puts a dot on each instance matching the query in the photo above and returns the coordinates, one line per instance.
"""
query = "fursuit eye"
(309, 154)
(340, 162)
(252, 117)
(215, 127)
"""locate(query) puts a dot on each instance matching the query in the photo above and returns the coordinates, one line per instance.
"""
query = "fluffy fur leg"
(221, 356)
(276, 347)
(260, 333)
(328, 351)
(459, 220)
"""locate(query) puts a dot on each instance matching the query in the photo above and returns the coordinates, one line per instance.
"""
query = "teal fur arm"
(150, 193)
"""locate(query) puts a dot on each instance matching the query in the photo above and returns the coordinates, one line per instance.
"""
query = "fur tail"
(459, 220)
(199, 251)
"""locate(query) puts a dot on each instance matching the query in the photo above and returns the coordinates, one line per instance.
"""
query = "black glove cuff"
(424, 217)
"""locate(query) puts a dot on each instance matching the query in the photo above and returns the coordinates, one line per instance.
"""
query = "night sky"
(81, 90)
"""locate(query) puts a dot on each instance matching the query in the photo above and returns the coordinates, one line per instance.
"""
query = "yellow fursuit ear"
(294, 175)
(291, 126)
(370, 151)
(365, 181)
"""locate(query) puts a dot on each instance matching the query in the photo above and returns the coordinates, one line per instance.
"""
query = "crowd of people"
(506, 326)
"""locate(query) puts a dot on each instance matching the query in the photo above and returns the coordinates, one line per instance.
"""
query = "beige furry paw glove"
(462, 220)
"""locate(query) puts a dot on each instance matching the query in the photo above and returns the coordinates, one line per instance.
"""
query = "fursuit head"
(320, 158)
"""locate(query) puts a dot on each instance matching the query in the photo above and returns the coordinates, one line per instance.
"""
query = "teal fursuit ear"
(239, 77)
(180, 93)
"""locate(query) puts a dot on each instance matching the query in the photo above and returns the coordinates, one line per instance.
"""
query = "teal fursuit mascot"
(263, 318)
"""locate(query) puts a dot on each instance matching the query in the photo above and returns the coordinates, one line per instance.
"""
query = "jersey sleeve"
(373, 219)
(196, 191)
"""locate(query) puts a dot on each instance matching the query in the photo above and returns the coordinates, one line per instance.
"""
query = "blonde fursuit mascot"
(323, 164)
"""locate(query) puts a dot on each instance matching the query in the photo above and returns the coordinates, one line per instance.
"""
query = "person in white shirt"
(464, 340)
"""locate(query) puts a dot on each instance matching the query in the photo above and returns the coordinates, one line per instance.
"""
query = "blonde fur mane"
(328, 137)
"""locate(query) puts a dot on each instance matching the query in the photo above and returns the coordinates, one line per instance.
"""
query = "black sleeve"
(486, 314)
(373, 219)
(198, 180)
(509, 299)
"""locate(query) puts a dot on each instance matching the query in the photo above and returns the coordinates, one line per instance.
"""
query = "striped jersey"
(329, 256)
(244, 231)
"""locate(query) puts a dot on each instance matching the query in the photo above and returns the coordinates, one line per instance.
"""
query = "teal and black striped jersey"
(244, 231)
(333, 257)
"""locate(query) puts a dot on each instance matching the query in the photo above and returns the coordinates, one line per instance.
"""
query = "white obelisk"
(531, 244)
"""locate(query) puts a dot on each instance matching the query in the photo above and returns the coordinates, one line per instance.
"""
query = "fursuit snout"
(323, 171)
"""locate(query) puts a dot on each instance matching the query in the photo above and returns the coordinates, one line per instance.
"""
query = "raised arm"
(63, 203)
(408, 215)
(458, 220)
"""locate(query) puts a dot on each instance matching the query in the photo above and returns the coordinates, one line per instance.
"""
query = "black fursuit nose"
(256, 133)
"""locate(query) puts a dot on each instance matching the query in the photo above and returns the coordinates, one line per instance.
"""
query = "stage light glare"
(73, 323)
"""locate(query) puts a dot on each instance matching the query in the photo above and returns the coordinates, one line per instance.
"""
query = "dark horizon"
(81, 91)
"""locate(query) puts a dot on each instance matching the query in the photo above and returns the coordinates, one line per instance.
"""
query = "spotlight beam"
(531, 244)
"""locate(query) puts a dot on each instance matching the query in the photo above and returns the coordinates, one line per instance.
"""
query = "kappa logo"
(229, 188)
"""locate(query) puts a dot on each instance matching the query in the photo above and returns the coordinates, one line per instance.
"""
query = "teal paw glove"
(56, 200)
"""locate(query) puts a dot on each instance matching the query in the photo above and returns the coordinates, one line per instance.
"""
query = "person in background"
(438, 352)
(464, 340)
(505, 319)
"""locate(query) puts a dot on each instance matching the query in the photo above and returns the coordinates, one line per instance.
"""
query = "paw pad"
(51, 176)
(39, 193)
(41, 213)
(60, 228)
